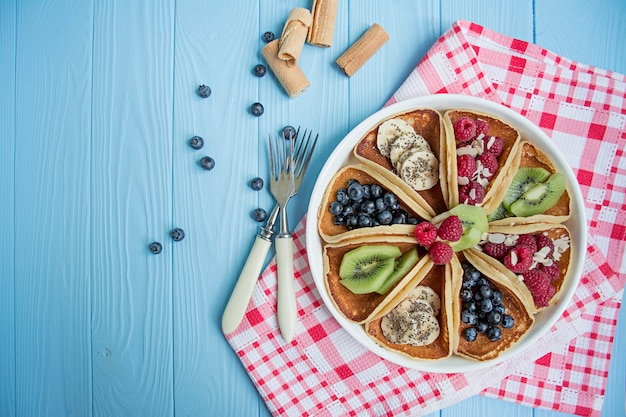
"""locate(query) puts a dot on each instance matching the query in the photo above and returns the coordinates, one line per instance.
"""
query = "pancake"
(514, 302)
(331, 232)
(438, 278)
(427, 124)
(530, 156)
(362, 307)
(556, 232)
(497, 184)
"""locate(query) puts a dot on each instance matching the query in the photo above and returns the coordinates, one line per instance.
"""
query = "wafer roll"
(323, 26)
(294, 34)
(363, 49)
(291, 77)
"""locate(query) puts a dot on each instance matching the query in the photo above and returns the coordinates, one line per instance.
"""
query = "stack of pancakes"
(446, 280)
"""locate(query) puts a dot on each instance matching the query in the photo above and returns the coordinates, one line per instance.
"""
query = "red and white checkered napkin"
(325, 372)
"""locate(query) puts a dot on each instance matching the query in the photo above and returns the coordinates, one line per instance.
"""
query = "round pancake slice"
(514, 304)
(420, 170)
(389, 131)
(405, 142)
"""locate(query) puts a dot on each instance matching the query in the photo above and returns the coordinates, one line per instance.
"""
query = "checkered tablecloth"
(324, 372)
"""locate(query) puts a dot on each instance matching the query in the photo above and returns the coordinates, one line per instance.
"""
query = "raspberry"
(519, 259)
(489, 163)
(466, 166)
(552, 271)
(539, 286)
(464, 129)
(494, 145)
(496, 250)
(440, 252)
(451, 229)
(528, 241)
(481, 127)
(544, 241)
(472, 193)
(425, 233)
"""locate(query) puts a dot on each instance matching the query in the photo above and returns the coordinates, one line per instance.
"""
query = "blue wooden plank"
(131, 206)
(7, 211)
(52, 239)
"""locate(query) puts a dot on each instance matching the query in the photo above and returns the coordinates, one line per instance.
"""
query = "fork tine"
(307, 156)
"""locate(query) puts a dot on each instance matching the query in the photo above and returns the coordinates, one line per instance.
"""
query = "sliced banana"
(423, 292)
(416, 329)
(420, 170)
(389, 131)
(405, 142)
(413, 305)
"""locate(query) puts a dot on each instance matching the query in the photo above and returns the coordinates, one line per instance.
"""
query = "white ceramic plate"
(342, 155)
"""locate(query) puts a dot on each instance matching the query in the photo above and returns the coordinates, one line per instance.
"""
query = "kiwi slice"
(364, 270)
(525, 179)
(541, 197)
(402, 266)
(498, 214)
(474, 220)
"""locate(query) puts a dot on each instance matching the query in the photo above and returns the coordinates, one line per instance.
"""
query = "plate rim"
(441, 102)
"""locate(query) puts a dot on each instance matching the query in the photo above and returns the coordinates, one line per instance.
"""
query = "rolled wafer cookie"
(323, 27)
(294, 35)
(363, 49)
(291, 78)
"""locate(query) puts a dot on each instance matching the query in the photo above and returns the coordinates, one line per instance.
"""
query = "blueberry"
(494, 318)
(177, 234)
(468, 317)
(466, 295)
(379, 204)
(496, 297)
(481, 327)
(257, 109)
(289, 132)
(486, 291)
(399, 218)
(336, 208)
(259, 70)
(470, 306)
(385, 217)
(376, 191)
(368, 207)
(347, 210)
(196, 142)
(259, 215)
(355, 191)
(268, 36)
(486, 305)
(338, 220)
(478, 296)
(351, 221)
(256, 184)
(364, 220)
(207, 163)
(366, 191)
(494, 333)
(470, 334)
(499, 308)
(507, 321)
(204, 91)
(390, 199)
(342, 196)
(156, 248)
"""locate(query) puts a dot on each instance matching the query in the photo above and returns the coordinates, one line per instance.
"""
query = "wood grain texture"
(131, 199)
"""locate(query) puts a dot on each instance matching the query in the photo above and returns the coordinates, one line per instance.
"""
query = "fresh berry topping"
(177, 234)
(156, 248)
(472, 193)
(539, 286)
(464, 129)
(268, 36)
(519, 259)
(259, 215)
(496, 250)
(425, 233)
(259, 70)
(256, 184)
(466, 166)
(207, 163)
(289, 132)
(528, 241)
(196, 142)
(257, 109)
(204, 91)
(489, 163)
(481, 127)
(552, 271)
(470, 334)
(544, 241)
(440, 252)
(494, 145)
(451, 229)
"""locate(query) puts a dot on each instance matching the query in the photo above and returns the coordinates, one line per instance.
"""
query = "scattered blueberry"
(481, 327)
(256, 184)
(268, 36)
(470, 334)
(257, 109)
(355, 191)
(385, 217)
(507, 321)
(156, 248)
(468, 317)
(177, 234)
(336, 208)
(204, 91)
(259, 70)
(289, 132)
(207, 163)
(259, 215)
(196, 142)
(494, 333)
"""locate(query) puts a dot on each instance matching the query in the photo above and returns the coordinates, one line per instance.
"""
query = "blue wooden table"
(97, 104)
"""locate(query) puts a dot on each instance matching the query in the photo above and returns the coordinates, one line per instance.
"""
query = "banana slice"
(420, 170)
(422, 292)
(405, 142)
(389, 131)
(416, 329)
(413, 305)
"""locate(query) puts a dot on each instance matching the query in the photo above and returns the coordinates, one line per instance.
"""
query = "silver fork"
(240, 297)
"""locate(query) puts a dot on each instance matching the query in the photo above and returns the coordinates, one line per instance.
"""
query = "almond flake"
(463, 180)
(466, 150)
(497, 237)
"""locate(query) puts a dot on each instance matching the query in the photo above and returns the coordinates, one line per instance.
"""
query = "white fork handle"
(240, 298)
(286, 292)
